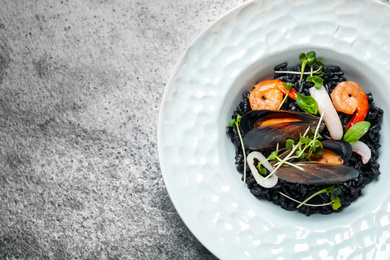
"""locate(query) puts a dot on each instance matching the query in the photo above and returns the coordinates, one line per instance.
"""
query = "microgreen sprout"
(285, 160)
(236, 122)
(318, 82)
(317, 71)
(262, 170)
(306, 143)
(304, 203)
(288, 86)
(310, 59)
(332, 191)
(297, 151)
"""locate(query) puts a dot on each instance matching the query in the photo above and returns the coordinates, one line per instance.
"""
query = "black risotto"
(350, 190)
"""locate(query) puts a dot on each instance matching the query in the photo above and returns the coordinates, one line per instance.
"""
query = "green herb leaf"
(289, 143)
(317, 143)
(231, 123)
(311, 58)
(320, 63)
(336, 203)
(317, 154)
(335, 193)
(307, 104)
(288, 86)
(332, 191)
(311, 54)
(319, 137)
(356, 132)
(272, 156)
(318, 82)
(239, 118)
(329, 189)
(304, 140)
(302, 57)
(262, 170)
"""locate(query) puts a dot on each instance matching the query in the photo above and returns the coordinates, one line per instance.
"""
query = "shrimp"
(268, 94)
(349, 97)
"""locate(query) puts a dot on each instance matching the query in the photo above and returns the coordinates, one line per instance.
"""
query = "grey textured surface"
(80, 88)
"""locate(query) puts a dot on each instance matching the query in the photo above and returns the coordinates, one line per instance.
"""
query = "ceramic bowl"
(197, 158)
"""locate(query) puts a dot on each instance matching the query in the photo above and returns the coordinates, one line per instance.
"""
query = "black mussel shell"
(317, 173)
(342, 148)
(267, 137)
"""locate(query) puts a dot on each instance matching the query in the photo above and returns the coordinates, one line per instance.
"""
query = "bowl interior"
(358, 70)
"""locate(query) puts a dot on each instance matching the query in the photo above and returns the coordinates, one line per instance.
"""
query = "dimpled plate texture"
(197, 158)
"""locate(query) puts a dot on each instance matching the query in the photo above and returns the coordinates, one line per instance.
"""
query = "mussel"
(264, 129)
(339, 149)
(322, 172)
(315, 173)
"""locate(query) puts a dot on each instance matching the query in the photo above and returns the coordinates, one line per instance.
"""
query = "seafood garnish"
(331, 117)
(363, 150)
(266, 128)
(332, 151)
(315, 173)
(268, 94)
(339, 148)
(236, 122)
(295, 157)
(266, 183)
(349, 97)
(304, 202)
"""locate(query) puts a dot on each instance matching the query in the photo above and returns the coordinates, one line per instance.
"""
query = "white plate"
(197, 158)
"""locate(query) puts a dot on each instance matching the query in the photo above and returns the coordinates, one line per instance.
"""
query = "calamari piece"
(363, 150)
(331, 118)
(262, 181)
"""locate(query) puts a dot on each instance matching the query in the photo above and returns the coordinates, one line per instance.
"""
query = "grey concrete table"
(80, 88)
